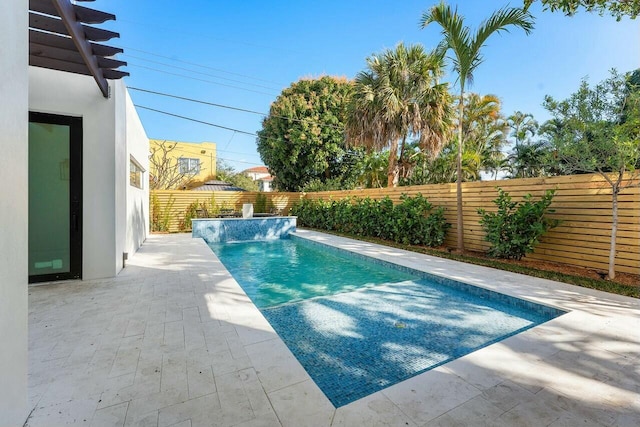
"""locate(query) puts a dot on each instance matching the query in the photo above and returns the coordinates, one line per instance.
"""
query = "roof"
(60, 39)
(257, 169)
(217, 186)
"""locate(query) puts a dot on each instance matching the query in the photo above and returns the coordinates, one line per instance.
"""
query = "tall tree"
(523, 126)
(600, 133)
(302, 139)
(617, 8)
(466, 47)
(528, 158)
(399, 96)
(484, 132)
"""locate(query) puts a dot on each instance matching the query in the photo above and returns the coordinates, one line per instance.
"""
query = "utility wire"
(212, 104)
(198, 72)
(201, 80)
(194, 120)
(346, 153)
(194, 150)
(202, 66)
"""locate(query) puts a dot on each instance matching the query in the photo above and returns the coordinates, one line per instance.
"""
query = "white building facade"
(111, 213)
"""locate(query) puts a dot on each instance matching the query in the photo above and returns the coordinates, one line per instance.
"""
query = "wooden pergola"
(60, 38)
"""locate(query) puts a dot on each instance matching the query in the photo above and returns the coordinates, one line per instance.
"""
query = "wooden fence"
(177, 202)
(582, 203)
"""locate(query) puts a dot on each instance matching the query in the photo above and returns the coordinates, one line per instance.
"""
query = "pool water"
(358, 326)
(274, 272)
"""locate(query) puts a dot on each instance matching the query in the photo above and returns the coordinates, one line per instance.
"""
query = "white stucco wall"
(115, 214)
(137, 199)
(118, 92)
(14, 119)
(69, 94)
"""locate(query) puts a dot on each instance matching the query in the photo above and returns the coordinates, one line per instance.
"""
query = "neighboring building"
(195, 161)
(217, 186)
(262, 176)
(74, 198)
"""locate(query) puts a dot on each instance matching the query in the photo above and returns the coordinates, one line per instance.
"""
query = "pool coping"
(522, 361)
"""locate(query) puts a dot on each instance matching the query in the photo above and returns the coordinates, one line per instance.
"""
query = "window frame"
(191, 170)
(138, 170)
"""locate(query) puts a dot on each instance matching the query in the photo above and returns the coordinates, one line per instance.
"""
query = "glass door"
(55, 197)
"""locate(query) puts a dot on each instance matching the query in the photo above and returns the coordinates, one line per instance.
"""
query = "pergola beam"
(75, 30)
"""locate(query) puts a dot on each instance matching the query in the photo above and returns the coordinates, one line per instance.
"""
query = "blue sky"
(243, 53)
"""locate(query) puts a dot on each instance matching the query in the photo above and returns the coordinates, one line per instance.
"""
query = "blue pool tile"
(359, 325)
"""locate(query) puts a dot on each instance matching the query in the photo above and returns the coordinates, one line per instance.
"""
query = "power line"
(202, 66)
(194, 120)
(198, 72)
(201, 80)
(346, 153)
(194, 150)
(197, 101)
(212, 104)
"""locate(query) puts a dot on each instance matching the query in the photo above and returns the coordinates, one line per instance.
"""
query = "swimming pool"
(359, 325)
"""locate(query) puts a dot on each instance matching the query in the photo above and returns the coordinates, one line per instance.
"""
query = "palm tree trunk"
(460, 242)
(392, 172)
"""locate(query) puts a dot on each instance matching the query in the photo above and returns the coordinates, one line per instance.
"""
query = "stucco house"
(262, 175)
(186, 161)
(75, 199)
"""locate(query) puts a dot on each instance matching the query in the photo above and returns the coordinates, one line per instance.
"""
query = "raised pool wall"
(220, 230)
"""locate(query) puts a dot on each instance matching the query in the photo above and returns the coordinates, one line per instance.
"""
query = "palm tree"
(399, 95)
(484, 133)
(523, 126)
(529, 160)
(466, 50)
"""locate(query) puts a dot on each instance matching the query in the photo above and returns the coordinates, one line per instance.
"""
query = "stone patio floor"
(174, 341)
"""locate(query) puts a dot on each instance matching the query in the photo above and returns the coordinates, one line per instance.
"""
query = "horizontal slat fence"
(180, 200)
(582, 203)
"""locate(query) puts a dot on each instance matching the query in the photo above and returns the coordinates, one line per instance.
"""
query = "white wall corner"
(137, 214)
(14, 203)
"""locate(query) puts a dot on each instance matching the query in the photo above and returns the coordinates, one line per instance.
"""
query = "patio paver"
(174, 341)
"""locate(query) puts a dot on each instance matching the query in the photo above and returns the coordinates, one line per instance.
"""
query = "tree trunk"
(392, 172)
(614, 230)
(460, 241)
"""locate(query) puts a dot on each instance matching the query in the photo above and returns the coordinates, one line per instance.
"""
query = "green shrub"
(161, 215)
(515, 228)
(189, 213)
(260, 205)
(413, 221)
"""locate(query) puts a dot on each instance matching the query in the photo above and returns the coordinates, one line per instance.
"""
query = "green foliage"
(226, 173)
(189, 213)
(617, 8)
(515, 228)
(260, 204)
(596, 128)
(413, 221)
(372, 170)
(161, 215)
(319, 185)
(399, 96)
(209, 208)
(302, 139)
(466, 45)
